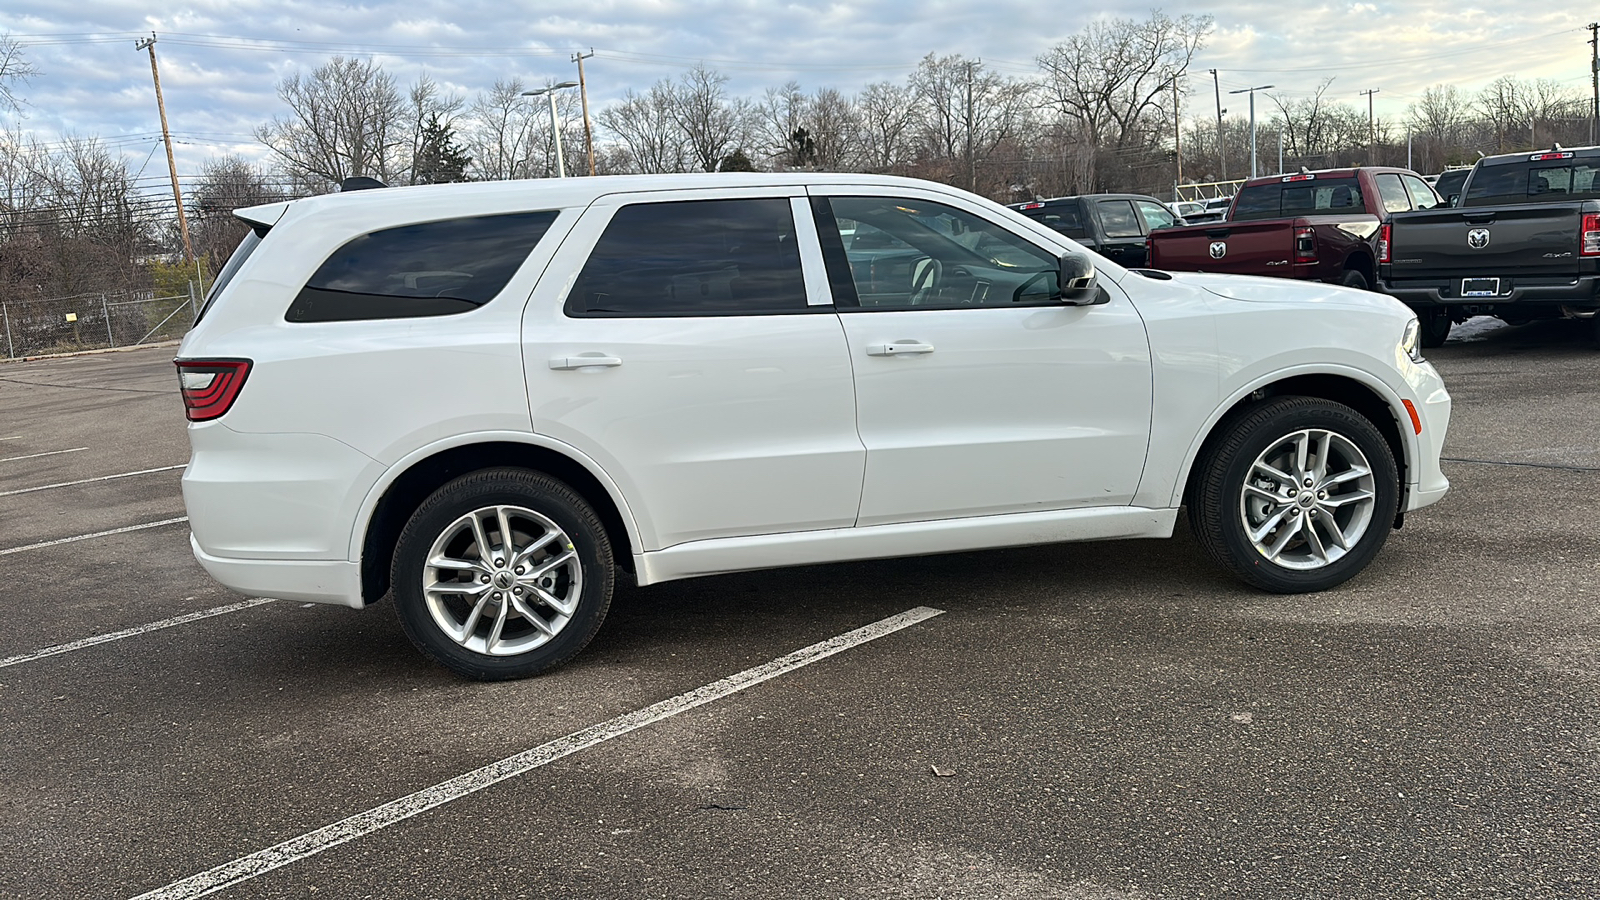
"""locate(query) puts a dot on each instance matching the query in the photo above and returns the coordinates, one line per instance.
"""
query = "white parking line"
(130, 632)
(46, 453)
(84, 537)
(362, 824)
(46, 487)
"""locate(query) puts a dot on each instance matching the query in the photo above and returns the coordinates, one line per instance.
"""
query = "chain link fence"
(36, 327)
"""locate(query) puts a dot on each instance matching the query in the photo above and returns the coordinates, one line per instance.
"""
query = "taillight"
(1590, 244)
(1305, 244)
(209, 386)
(1383, 244)
(1150, 251)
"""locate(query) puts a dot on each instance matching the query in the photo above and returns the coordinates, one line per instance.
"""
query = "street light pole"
(555, 126)
(1252, 92)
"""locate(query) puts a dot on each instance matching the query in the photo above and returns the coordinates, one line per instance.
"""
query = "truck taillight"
(1383, 244)
(209, 386)
(1590, 244)
(1305, 244)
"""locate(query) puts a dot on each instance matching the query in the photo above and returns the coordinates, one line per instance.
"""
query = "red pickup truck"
(1317, 226)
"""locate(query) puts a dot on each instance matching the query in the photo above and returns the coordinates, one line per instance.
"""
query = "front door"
(977, 392)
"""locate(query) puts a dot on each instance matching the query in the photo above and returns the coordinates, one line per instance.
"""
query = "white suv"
(485, 399)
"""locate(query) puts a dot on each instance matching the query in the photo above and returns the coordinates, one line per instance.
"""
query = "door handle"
(899, 348)
(585, 362)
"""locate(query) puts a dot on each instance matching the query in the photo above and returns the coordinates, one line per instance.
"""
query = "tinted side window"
(1392, 192)
(1155, 215)
(694, 258)
(1063, 217)
(1118, 219)
(429, 269)
(1299, 198)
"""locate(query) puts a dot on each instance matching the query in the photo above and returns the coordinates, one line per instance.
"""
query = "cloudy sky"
(222, 59)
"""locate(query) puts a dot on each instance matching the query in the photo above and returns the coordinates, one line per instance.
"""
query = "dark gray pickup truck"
(1523, 243)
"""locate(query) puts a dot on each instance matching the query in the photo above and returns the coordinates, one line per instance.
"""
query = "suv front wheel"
(1298, 496)
(502, 574)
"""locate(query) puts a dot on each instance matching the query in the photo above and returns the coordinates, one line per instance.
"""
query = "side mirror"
(1078, 283)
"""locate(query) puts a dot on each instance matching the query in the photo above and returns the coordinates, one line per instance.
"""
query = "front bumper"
(1426, 483)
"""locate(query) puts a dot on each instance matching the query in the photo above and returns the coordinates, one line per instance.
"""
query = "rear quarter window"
(429, 269)
(1063, 217)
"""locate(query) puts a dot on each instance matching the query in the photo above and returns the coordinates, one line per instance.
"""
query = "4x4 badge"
(1218, 249)
(1478, 238)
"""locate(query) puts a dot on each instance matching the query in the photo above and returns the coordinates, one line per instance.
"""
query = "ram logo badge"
(1219, 249)
(1478, 238)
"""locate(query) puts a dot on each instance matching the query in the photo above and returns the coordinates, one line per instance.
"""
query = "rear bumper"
(1580, 291)
(308, 580)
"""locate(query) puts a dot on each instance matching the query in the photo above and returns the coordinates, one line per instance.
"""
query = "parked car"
(1313, 226)
(485, 401)
(1448, 184)
(1112, 225)
(1194, 212)
(1523, 244)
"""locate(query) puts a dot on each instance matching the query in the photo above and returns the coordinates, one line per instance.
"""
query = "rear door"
(679, 340)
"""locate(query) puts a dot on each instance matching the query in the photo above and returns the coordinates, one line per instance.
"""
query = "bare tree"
(713, 124)
(345, 121)
(226, 183)
(14, 68)
(834, 125)
(885, 123)
(963, 112)
(1114, 79)
(647, 130)
(499, 126)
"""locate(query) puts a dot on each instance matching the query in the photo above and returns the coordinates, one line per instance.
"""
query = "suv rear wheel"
(502, 574)
(1298, 496)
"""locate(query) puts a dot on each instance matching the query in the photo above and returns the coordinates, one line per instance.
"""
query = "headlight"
(1411, 339)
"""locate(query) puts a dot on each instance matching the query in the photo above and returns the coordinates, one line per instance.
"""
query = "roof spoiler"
(263, 217)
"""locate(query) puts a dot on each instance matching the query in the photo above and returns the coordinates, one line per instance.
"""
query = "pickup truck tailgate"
(1527, 239)
(1249, 247)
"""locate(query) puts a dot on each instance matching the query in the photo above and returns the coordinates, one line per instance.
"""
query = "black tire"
(1222, 509)
(1435, 327)
(552, 526)
(1594, 330)
(1354, 278)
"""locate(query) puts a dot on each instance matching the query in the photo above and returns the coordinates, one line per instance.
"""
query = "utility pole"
(172, 166)
(972, 162)
(583, 93)
(1222, 152)
(1372, 134)
(1252, 92)
(1594, 80)
(1177, 136)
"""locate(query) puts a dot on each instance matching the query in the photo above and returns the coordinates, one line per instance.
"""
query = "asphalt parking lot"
(1116, 720)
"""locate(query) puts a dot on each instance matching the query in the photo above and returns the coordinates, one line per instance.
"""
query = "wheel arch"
(1362, 262)
(392, 500)
(1374, 402)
